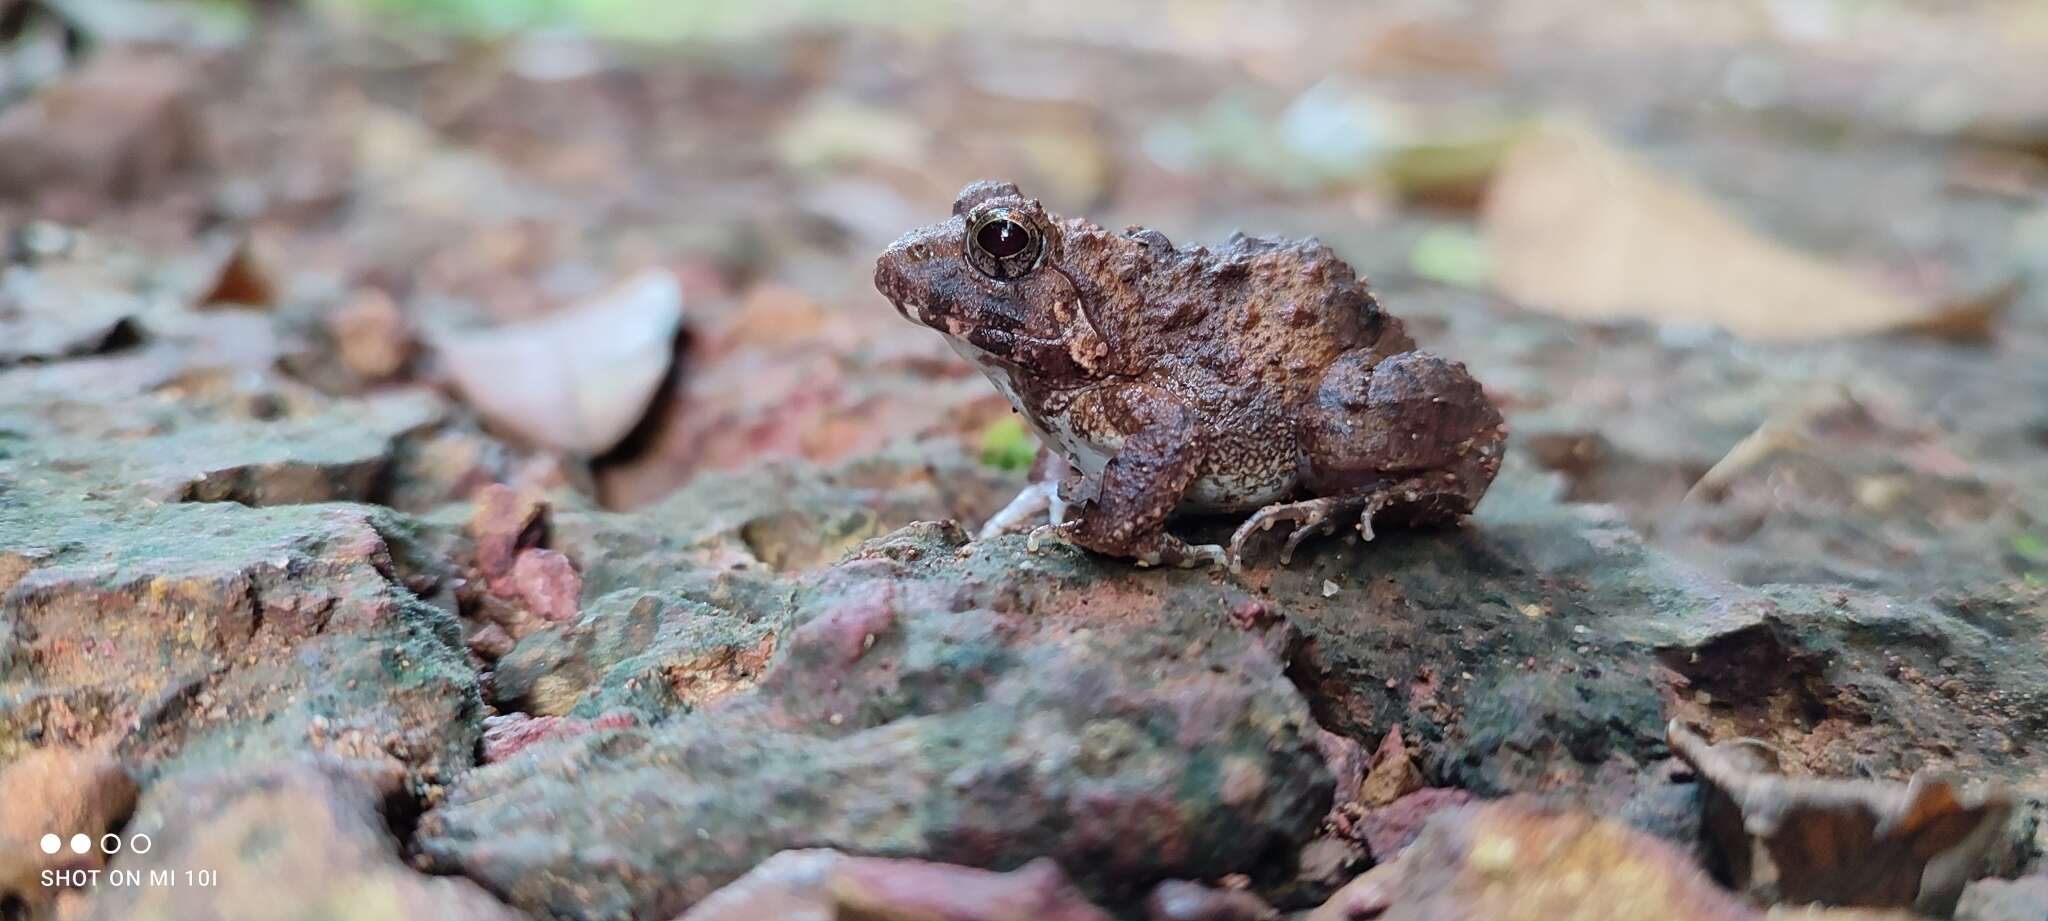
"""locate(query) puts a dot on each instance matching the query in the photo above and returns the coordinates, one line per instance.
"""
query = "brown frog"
(1259, 377)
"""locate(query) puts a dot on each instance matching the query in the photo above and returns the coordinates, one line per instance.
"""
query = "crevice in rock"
(1752, 679)
(292, 483)
(400, 810)
(1336, 704)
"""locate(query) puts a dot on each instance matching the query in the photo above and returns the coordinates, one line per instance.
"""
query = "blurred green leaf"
(1452, 172)
(1006, 446)
(1452, 255)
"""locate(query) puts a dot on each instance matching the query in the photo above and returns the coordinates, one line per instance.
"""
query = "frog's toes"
(1309, 518)
(1206, 555)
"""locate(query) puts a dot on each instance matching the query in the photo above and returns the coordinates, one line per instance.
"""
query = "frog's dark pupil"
(1002, 238)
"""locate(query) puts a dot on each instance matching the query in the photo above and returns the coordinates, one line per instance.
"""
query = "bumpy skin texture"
(1259, 377)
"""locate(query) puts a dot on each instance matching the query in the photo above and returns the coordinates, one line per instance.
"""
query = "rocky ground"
(287, 588)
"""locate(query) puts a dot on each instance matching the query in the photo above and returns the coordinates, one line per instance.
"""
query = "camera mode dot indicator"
(81, 843)
(52, 843)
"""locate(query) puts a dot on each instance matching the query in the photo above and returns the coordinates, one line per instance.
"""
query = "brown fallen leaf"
(1392, 774)
(1968, 319)
(1854, 843)
(372, 335)
(577, 380)
(1578, 227)
(118, 128)
(238, 281)
(1508, 861)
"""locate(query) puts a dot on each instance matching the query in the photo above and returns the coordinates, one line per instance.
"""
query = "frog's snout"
(892, 282)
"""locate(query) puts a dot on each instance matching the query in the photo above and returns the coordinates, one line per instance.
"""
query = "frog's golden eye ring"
(1004, 244)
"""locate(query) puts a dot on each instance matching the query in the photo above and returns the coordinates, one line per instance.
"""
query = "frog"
(1261, 378)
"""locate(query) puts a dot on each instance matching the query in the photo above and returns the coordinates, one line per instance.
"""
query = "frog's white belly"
(1090, 455)
(1219, 492)
(1211, 492)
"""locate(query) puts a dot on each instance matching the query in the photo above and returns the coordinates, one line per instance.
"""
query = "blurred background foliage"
(650, 20)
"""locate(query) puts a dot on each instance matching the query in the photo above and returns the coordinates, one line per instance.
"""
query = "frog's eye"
(1003, 244)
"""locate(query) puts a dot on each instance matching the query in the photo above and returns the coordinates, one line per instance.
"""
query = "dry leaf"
(1393, 773)
(1514, 861)
(238, 281)
(372, 335)
(1579, 228)
(1968, 319)
(1852, 843)
(577, 380)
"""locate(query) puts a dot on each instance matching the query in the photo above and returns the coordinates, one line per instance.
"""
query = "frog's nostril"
(918, 251)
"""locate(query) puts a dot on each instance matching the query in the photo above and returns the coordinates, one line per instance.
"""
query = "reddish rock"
(503, 523)
(1179, 900)
(1347, 764)
(508, 735)
(1390, 828)
(546, 582)
(829, 886)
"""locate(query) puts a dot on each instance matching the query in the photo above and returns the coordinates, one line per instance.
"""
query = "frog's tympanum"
(1260, 377)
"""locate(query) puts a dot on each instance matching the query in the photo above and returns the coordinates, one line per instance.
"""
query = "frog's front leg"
(1040, 500)
(1142, 484)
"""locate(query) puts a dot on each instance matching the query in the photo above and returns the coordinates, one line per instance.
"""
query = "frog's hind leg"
(1309, 517)
(1410, 435)
(1419, 498)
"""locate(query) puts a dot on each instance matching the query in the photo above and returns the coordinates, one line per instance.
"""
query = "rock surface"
(826, 885)
(62, 793)
(973, 705)
(284, 843)
(2005, 900)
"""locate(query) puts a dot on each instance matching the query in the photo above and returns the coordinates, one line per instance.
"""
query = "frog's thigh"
(1374, 419)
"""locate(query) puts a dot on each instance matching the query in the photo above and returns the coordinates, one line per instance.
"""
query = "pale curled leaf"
(1580, 228)
(577, 380)
(1841, 842)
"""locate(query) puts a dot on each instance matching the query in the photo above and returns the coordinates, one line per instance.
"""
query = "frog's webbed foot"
(1309, 518)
